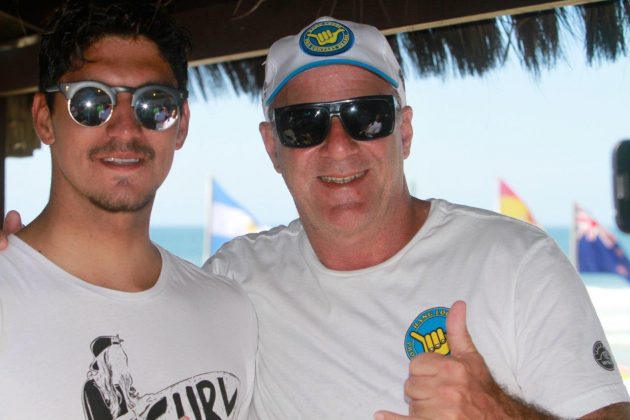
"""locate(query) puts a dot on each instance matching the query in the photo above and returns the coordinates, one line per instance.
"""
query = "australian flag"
(597, 249)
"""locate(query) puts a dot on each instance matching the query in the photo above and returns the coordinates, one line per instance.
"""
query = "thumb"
(459, 340)
(12, 222)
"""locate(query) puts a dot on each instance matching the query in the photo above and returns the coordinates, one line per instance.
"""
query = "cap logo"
(326, 38)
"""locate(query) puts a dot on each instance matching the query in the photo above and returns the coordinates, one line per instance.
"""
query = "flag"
(511, 204)
(597, 250)
(227, 219)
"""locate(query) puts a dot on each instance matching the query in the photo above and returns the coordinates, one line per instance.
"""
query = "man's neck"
(111, 250)
(346, 251)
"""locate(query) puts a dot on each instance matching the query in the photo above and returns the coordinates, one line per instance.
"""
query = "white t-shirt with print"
(336, 344)
(73, 350)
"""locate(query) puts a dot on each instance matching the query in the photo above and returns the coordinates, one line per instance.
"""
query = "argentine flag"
(226, 220)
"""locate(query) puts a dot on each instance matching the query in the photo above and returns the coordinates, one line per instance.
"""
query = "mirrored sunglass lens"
(90, 106)
(156, 109)
(303, 127)
(367, 119)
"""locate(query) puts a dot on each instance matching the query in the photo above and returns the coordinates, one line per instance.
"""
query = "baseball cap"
(329, 41)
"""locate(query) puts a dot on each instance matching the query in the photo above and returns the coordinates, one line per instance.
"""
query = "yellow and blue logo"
(427, 333)
(326, 38)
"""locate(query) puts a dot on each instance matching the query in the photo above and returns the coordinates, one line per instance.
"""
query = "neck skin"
(374, 244)
(111, 250)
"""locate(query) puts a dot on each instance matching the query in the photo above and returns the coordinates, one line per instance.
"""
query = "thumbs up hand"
(460, 384)
(456, 386)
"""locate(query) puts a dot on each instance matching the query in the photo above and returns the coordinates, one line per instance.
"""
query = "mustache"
(349, 164)
(115, 146)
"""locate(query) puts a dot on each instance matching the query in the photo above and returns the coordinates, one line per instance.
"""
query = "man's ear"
(42, 120)
(406, 130)
(271, 144)
(182, 130)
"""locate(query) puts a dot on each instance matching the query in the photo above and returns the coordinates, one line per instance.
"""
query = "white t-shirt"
(73, 350)
(336, 344)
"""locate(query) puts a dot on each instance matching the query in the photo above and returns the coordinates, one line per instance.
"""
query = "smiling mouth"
(121, 161)
(344, 179)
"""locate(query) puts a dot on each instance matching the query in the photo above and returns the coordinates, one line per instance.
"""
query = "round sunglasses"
(364, 118)
(92, 103)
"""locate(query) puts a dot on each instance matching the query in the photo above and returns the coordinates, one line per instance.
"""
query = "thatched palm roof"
(538, 40)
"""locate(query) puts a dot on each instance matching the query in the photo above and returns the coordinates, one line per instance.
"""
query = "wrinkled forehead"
(331, 83)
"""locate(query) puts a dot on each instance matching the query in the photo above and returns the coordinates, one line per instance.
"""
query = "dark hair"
(77, 24)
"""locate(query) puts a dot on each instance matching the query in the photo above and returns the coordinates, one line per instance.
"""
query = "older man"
(364, 280)
(96, 321)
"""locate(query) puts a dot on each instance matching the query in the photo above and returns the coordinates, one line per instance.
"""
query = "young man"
(364, 280)
(96, 321)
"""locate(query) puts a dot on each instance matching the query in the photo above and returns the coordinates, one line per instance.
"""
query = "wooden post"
(3, 153)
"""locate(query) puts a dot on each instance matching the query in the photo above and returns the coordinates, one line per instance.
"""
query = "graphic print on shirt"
(602, 356)
(427, 333)
(109, 393)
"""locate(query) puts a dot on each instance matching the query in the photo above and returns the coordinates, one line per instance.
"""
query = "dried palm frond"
(537, 39)
(470, 49)
(604, 30)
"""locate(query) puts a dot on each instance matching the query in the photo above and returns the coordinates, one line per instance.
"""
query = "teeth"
(342, 180)
(121, 161)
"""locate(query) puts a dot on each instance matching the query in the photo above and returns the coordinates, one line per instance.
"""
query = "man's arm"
(12, 223)
(613, 411)
(520, 410)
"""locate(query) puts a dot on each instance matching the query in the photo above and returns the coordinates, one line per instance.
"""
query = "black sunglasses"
(364, 118)
(91, 103)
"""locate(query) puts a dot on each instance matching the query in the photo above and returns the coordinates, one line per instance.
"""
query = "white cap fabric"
(325, 42)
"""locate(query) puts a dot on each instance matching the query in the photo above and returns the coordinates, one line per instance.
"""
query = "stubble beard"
(125, 203)
(121, 204)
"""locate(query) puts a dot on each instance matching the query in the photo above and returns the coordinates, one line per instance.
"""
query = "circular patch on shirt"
(326, 38)
(427, 333)
(602, 356)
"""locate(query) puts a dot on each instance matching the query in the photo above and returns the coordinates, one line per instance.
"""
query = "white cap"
(325, 42)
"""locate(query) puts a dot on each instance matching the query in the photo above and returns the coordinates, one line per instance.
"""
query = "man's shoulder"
(253, 249)
(278, 236)
(482, 223)
(465, 213)
(192, 276)
(18, 255)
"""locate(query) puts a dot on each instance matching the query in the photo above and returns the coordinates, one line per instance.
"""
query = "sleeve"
(560, 339)
(213, 265)
(226, 262)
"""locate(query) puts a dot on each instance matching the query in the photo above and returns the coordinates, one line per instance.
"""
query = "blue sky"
(550, 138)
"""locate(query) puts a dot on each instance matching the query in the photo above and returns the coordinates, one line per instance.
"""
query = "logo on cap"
(326, 38)
(427, 333)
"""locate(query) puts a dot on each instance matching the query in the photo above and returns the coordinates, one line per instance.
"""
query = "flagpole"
(498, 197)
(573, 239)
(207, 237)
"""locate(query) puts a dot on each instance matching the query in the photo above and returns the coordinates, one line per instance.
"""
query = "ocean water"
(610, 293)
(184, 241)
